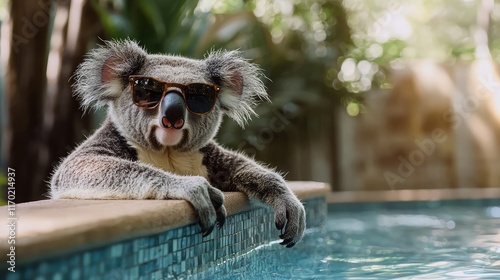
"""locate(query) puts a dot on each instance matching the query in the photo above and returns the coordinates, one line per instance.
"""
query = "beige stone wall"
(438, 127)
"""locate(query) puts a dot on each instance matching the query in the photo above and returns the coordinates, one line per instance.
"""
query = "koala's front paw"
(206, 200)
(289, 214)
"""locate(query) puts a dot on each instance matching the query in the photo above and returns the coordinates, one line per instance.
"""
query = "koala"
(157, 141)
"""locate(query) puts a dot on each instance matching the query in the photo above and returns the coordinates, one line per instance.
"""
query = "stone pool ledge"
(413, 195)
(54, 228)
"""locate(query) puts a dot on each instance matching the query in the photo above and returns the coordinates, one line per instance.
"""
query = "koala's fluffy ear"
(103, 74)
(241, 87)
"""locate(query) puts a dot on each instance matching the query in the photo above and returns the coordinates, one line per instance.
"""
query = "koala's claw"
(221, 216)
(288, 242)
(216, 197)
(292, 213)
(221, 219)
(208, 231)
(279, 226)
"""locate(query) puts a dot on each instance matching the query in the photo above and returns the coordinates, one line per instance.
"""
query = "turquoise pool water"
(437, 240)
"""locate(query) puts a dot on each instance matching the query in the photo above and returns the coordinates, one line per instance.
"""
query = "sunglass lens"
(200, 98)
(147, 93)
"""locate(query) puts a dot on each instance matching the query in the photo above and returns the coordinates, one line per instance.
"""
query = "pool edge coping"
(412, 195)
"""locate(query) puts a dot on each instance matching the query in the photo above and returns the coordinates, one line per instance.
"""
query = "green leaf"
(3, 179)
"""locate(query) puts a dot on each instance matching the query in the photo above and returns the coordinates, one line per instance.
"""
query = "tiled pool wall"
(173, 254)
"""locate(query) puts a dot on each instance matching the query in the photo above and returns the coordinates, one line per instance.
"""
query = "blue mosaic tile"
(117, 250)
(147, 268)
(14, 276)
(134, 272)
(76, 274)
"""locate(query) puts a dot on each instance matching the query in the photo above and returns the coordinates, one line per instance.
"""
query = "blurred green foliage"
(436, 30)
(161, 26)
(318, 54)
(384, 32)
(3, 182)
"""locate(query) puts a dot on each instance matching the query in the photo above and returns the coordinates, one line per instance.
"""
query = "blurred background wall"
(367, 95)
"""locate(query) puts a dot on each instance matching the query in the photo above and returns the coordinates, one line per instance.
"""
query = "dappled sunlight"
(391, 107)
(397, 27)
(427, 95)
(56, 48)
(433, 122)
(367, 95)
(484, 136)
(486, 85)
(386, 114)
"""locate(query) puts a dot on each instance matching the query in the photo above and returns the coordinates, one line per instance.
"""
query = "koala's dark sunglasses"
(147, 92)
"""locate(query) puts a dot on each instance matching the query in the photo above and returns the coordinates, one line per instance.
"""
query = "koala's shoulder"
(107, 140)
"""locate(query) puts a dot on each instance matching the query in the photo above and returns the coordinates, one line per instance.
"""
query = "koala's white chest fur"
(180, 163)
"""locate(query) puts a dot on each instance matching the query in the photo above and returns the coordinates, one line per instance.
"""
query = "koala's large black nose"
(173, 110)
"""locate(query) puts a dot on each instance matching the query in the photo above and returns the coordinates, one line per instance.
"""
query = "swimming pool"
(403, 240)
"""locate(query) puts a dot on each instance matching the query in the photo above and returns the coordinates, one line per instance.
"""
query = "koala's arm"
(106, 167)
(231, 171)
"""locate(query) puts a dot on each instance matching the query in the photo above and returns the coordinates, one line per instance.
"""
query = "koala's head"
(154, 120)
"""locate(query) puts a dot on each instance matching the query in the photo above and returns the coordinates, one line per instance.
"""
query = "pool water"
(452, 240)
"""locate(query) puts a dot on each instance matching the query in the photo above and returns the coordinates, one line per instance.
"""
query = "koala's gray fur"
(127, 157)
